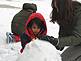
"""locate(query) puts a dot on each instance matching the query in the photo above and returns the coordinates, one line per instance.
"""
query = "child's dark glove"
(50, 39)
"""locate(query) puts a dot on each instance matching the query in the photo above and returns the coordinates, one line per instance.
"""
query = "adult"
(67, 14)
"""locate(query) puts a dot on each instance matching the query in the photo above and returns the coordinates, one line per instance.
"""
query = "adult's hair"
(64, 14)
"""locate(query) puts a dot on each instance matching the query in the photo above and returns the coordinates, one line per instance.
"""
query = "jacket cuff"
(57, 42)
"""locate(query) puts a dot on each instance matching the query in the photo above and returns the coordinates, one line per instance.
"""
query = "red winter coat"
(28, 35)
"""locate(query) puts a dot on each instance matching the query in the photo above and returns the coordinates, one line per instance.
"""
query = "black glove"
(59, 48)
(50, 39)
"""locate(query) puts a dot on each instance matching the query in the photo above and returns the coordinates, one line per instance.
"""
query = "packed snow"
(38, 50)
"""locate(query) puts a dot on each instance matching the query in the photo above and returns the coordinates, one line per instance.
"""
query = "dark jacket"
(71, 36)
(19, 20)
(28, 35)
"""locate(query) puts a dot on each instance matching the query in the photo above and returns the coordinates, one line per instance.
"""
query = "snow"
(11, 52)
(38, 50)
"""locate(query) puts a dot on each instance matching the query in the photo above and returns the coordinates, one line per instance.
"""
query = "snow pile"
(2, 39)
(7, 55)
(38, 50)
(9, 52)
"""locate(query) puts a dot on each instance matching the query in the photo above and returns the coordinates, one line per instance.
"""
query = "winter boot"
(9, 37)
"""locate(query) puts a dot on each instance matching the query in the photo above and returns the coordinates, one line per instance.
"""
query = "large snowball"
(39, 50)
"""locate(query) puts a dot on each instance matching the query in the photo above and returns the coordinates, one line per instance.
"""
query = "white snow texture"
(38, 50)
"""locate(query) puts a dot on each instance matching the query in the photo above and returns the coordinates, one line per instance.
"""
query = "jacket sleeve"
(75, 38)
(24, 40)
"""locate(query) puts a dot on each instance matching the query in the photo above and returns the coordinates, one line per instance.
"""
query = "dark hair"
(64, 15)
(38, 23)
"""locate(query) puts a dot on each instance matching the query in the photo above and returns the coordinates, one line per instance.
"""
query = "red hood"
(29, 31)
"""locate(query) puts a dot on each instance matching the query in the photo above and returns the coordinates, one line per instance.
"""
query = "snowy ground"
(8, 8)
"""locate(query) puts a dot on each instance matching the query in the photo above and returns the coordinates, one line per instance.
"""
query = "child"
(19, 20)
(35, 27)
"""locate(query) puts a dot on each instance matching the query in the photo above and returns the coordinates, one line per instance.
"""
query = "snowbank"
(38, 50)
(9, 52)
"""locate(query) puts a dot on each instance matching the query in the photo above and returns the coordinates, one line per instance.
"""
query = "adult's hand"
(50, 39)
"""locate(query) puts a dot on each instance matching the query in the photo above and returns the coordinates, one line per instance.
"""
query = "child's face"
(35, 29)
